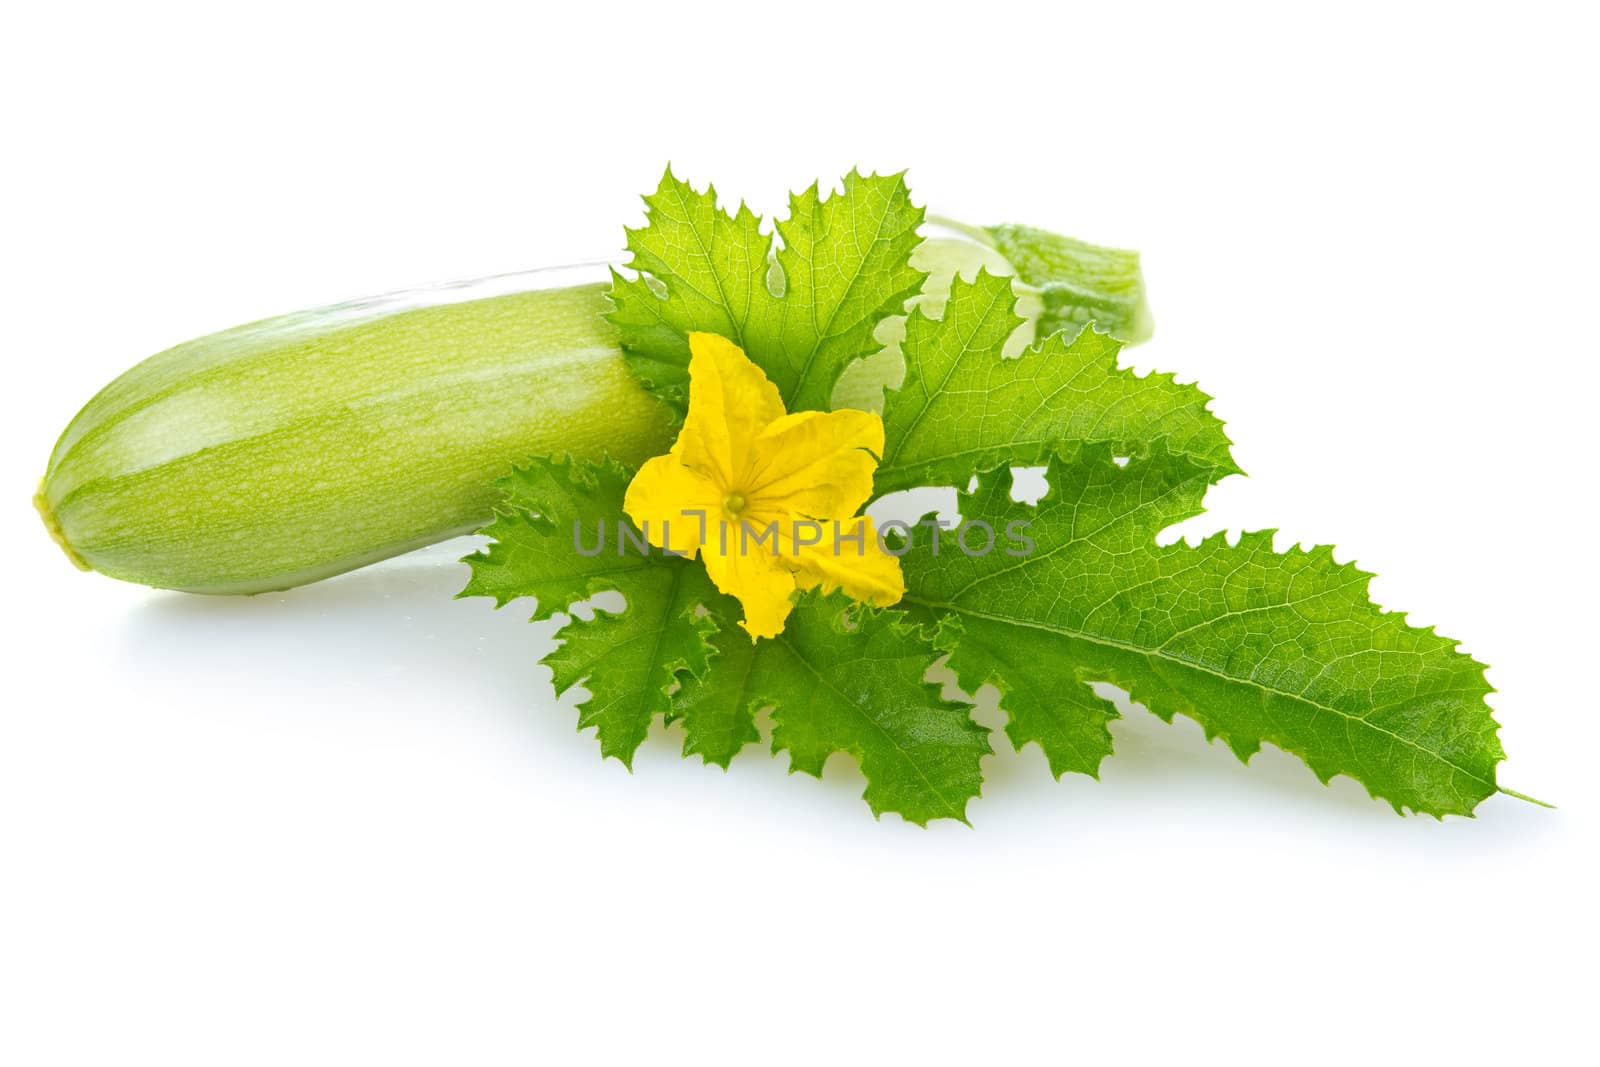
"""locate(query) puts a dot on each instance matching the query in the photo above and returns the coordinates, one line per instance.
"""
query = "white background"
(348, 824)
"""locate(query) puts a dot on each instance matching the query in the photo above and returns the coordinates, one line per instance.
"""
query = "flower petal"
(730, 403)
(760, 582)
(817, 464)
(662, 499)
(854, 562)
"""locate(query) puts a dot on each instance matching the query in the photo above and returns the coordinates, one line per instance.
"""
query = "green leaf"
(1062, 715)
(1256, 645)
(840, 678)
(847, 678)
(963, 409)
(1044, 307)
(630, 661)
(802, 312)
(718, 710)
(545, 507)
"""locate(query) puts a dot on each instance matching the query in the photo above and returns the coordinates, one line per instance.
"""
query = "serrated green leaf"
(1256, 645)
(630, 661)
(803, 313)
(1045, 706)
(533, 551)
(718, 709)
(843, 677)
(963, 409)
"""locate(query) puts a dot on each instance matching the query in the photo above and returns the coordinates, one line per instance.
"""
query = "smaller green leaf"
(1044, 706)
(718, 708)
(630, 661)
(709, 270)
(843, 677)
(964, 409)
(545, 507)
(803, 312)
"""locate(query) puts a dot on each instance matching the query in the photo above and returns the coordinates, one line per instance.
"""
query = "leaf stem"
(1526, 797)
(976, 233)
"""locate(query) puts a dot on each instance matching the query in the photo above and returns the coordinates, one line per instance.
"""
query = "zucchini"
(295, 448)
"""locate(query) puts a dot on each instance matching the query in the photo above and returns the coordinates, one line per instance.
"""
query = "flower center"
(733, 503)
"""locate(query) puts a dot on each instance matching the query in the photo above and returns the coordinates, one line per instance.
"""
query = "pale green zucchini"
(295, 448)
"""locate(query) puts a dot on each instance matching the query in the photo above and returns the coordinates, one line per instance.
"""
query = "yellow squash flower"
(766, 498)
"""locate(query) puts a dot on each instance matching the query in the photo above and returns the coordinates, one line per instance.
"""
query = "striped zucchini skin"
(299, 447)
